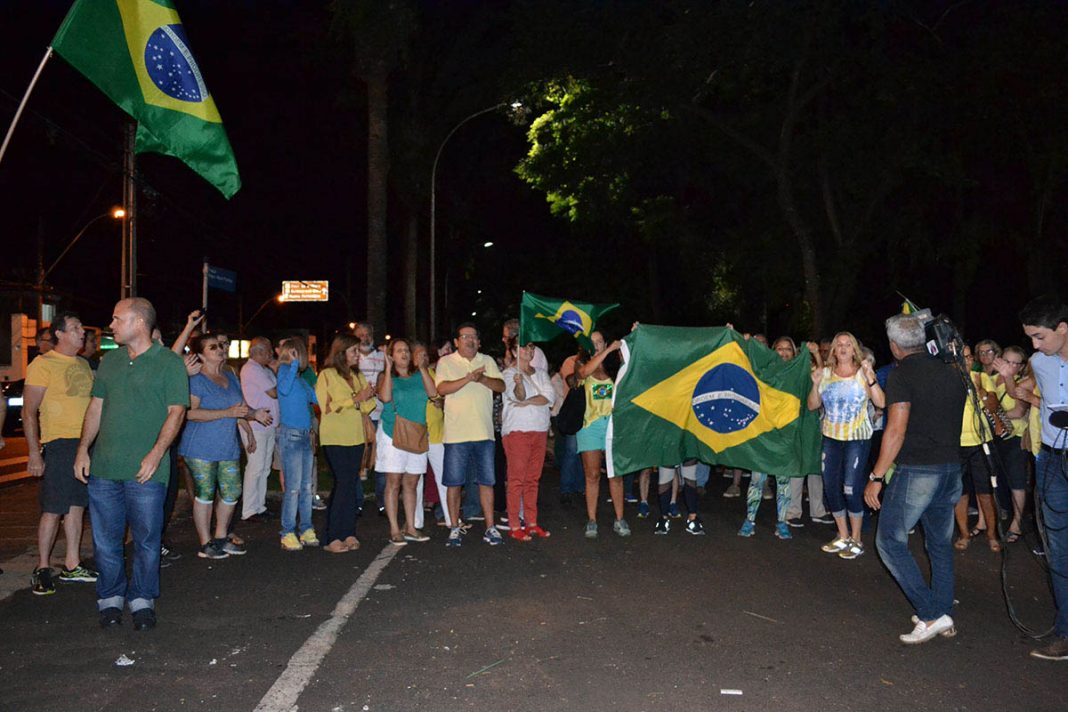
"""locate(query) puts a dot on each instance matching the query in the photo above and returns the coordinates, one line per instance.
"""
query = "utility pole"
(129, 223)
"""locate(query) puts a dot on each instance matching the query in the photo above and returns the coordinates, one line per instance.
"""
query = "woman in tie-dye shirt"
(843, 390)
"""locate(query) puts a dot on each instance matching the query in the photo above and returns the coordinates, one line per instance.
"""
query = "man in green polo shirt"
(138, 402)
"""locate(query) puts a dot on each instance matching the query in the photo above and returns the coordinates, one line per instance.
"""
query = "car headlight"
(15, 401)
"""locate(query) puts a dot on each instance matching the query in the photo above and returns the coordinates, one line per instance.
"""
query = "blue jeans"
(565, 450)
(112, 505)
(469, 465)
(1051, 490)
(921, 493)
(703, 473)
(844, 465)
(294, 447)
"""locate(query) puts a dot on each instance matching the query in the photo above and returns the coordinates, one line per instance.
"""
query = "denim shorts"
(474, 457)
(593, 436)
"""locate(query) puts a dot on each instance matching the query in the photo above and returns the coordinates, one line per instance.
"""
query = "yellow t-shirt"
(468, 411)
(598, 399)
(1019, 425)
(69, 383)
(970, 425)
(342, 421)
(435, 420)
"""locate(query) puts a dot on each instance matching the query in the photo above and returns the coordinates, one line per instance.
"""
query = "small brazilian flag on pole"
(545, 318)
(707, 393)
(136, 52)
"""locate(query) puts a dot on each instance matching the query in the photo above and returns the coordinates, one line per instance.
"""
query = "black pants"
(172, 490)
(344, 462)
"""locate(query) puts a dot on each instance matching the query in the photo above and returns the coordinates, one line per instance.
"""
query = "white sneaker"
(835, 546)
(923, 632)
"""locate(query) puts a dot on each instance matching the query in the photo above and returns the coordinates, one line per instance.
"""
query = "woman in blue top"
(294, 439)
(405, 388)
(210, 445)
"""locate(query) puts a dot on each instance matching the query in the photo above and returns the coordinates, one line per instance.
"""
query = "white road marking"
(286, 690)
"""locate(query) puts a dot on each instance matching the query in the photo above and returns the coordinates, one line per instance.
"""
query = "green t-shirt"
(409, 399)
(136, 396)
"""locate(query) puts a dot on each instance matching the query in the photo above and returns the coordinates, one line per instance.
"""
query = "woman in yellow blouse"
(343, 395)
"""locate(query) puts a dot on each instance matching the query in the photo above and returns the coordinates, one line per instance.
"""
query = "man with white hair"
(924, 408)
(258, 383)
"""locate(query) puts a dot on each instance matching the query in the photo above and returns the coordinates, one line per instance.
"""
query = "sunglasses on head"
(213, 347)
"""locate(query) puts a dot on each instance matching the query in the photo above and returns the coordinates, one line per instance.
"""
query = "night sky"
(296, 117)
(300, 143)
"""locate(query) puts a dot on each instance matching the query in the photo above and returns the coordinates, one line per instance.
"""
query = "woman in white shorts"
(404, 391)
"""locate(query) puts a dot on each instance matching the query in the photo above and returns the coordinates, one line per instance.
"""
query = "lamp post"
(42, 273)
(276, 298)
(433, 212)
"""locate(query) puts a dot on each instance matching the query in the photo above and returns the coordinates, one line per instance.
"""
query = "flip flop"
(976, 532)
(962, 543)
(1013, 537)
(994, 544)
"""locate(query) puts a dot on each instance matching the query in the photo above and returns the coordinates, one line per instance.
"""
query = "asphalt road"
(646, 623)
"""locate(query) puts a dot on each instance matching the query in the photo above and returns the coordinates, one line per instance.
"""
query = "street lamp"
(115, 213)
(276, 298)
(516, 106)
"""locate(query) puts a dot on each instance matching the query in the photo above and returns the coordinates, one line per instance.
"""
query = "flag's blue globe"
(726, 398)
(171, 66)
(570, 321)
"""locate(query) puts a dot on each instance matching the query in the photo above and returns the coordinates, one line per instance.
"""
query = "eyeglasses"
(213, 347)
(986, 351)
(467, 337)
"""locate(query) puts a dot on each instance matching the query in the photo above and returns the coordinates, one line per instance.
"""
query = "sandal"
(994, 544)
(962, 543)
(352, 543)
(976, 532)
(1013, 537)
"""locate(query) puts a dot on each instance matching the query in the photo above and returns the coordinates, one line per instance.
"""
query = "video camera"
(943, 336)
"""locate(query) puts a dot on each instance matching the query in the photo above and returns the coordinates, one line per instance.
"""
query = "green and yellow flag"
(136, 52)
(707, 393)
(545, 318)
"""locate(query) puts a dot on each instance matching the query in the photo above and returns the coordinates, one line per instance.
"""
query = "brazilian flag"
(710, 394)
(136, 52)
(545, 318)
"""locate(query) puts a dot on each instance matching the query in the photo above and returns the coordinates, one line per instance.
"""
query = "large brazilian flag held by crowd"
(136, 52)
(710, 394)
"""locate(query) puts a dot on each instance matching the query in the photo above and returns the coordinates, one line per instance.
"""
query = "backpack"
(572, 412)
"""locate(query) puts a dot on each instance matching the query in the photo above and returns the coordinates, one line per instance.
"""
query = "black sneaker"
(213, 550)
(110, 617)
(796, 522)
(144, 619)
(825, 519)
(166, 551)
(695, 527)
(42, 582)
(663, 526)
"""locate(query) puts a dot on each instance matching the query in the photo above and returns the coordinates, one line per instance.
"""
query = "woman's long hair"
(336, 358)
(393, 366)
(832, 359)
(297, 343)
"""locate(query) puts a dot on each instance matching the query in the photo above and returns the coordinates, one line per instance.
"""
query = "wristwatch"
(877, 478)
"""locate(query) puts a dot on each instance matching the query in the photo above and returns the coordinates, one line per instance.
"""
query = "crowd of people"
(450, 432)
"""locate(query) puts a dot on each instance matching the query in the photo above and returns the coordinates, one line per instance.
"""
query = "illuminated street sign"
(306, 291)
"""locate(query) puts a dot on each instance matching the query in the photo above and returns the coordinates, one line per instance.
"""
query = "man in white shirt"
(372, 364)
(258, 383)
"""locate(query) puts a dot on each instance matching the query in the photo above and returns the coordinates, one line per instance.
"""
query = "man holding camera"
(924, 408)
(1045, 321)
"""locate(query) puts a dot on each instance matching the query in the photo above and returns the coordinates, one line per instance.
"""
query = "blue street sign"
(224, 279)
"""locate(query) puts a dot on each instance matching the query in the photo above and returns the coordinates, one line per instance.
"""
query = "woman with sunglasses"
(211, 448)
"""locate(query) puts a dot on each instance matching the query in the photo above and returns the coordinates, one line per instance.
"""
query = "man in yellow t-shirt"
(57, 393)
(976, 429)
(468, 379)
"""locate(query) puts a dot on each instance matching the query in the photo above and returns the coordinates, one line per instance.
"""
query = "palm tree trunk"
(377, 176)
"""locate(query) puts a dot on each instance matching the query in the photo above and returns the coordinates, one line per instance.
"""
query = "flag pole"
(22, 104)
